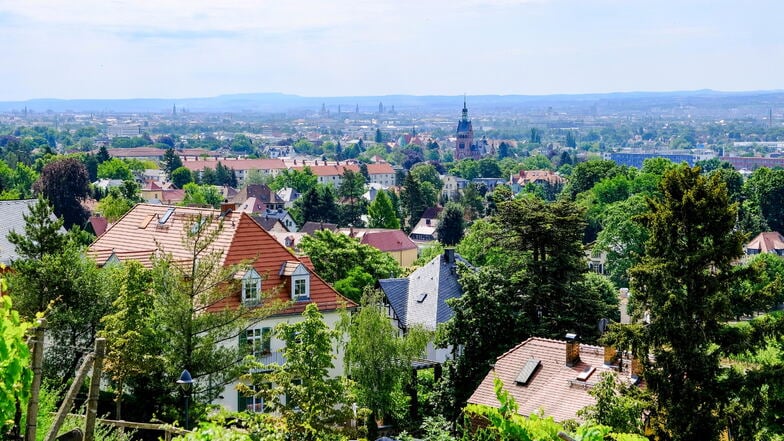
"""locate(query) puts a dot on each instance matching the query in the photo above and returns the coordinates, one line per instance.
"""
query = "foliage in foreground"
(14, 362)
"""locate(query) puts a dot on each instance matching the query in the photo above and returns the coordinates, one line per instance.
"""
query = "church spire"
(465, 109)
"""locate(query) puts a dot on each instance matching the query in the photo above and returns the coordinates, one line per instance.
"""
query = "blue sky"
(192, 48)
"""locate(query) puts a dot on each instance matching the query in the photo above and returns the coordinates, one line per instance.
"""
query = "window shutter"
(242, 403)
(243, 343)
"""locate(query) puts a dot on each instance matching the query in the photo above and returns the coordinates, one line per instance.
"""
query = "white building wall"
(228, 399)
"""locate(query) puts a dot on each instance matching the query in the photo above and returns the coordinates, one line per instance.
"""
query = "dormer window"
(300, 280)
(251, 288)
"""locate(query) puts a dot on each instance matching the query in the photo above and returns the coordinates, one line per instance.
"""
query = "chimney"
(572, 350)
(449, 255)
(226, 206)
(610, 354)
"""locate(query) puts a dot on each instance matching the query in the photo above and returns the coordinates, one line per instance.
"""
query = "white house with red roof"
(148, 229)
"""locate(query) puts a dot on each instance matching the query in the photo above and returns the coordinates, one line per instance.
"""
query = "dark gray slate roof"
(463, 126)
(421, 298)
(11, 219)
(396, 291)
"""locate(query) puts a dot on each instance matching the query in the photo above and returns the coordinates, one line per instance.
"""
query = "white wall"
(229, 395)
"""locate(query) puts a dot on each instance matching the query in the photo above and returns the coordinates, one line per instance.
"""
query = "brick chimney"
(226, 206)
(572, 350)
(610, 355)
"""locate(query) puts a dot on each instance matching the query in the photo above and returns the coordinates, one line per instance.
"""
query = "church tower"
(464, 146)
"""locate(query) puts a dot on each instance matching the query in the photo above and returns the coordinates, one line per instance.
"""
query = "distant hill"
(281, 103)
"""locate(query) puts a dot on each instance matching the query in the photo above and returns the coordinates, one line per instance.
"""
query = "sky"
(112, 49)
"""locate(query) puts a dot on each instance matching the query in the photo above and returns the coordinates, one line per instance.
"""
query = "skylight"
(527, 371)
(422, 297)
(166, 216)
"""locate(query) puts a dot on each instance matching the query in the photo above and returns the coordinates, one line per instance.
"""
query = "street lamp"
(186, 384)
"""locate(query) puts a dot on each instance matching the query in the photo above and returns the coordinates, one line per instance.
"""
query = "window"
(251, 288)
(259, 341)
(301, 291)
(253, 403)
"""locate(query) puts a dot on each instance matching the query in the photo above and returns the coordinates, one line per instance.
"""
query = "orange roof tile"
(140, 233)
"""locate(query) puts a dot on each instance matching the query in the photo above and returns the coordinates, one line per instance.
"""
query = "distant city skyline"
(100, 49)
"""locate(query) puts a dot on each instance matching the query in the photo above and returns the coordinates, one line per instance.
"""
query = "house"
(149, 229)
(767, 242)
(489, 183)
(12, 219)
(311, 227)
(242, 167)
(392, 242)
(271, 224)
(552, 376)
(288, 195)
(425, 230)
(96, 225)
(453, 186)
(282, 215)
(263, 195)
(543, 178)
(420, 298)
(332, 174)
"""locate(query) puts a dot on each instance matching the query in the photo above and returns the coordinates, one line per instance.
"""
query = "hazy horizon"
(170, 49)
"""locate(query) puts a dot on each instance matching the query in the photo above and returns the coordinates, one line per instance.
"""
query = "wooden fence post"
(95, 386)
(35, 389)
(69, 398)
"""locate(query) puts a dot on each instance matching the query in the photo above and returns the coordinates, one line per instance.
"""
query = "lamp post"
(186, 384)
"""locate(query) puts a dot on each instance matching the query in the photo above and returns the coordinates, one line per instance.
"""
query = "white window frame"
(302, 281)
(251, 281)
(259, 341)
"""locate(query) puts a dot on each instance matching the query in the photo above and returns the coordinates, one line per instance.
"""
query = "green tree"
(622, 238)
(352, 185)
(102, 155)
(424, 172)
(586, 174)
(171, 161)
(133, 340)
(334, 255)
(416, 197)
(486, 323)
(42, 235)
(114, 206)
(181, 176)
(114, 168)
(378, 359)
(683, 285)
(312, 404)
(64, 183)
(317, 205)
(618, 404)
(765, 187)
(201, 195)
(382, 213)
(186, 289)
(300, 180)
(451, 225)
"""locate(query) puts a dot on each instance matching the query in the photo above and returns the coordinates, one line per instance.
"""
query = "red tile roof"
(553, 387)
(138, 235)
(392, 240)
(236, 164)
